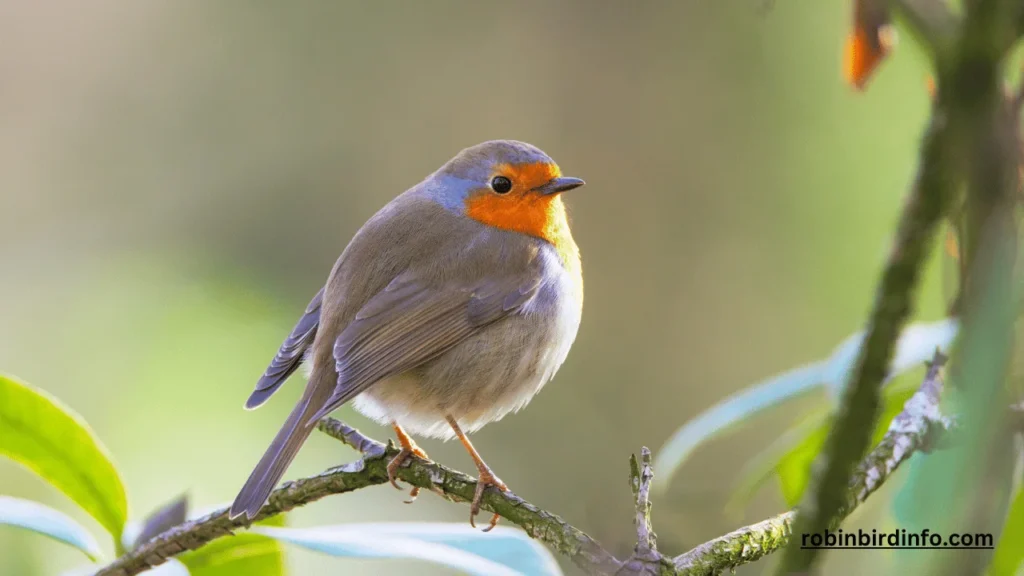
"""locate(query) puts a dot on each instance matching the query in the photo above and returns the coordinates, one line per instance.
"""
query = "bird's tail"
(281, 452)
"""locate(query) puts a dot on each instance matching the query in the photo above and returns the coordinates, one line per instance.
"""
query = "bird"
(450, 308)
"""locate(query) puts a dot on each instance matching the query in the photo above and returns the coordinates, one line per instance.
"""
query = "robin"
(451, 307)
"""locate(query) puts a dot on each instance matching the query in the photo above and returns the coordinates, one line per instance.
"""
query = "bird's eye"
(501, 185)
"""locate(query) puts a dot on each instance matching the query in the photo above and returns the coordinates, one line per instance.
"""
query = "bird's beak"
(558, 185)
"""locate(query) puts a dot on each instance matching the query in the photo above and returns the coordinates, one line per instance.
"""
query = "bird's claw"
(412, 495)
(400, 459)
(487, 478)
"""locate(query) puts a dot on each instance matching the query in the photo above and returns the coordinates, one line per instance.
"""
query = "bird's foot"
(487, 478)
(404, 454)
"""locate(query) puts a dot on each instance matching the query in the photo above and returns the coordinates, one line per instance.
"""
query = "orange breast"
(525, 211)
(531, 214)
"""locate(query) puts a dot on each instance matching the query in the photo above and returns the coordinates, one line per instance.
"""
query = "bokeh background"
(177, 178)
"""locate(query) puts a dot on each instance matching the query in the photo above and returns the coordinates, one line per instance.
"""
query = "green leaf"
(916, 345)
(48, 522)
(40, 433)
(1009, 553)
(794, 467)
(245, 553)
(762, 467)
(250, 554)
(502, 551)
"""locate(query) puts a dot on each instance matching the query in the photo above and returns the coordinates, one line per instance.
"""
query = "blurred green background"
(177, 178)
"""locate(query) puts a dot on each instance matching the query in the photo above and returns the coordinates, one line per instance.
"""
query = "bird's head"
(506, 184)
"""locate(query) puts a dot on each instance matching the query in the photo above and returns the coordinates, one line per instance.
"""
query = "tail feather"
(278, 456)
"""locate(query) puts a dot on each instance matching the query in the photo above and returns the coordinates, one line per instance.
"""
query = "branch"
(640, 482)
(645, 559)
(456, 486)
(916, 427)
(371, 470)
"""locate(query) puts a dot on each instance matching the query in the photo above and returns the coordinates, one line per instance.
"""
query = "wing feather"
(289, 356)
(409, 323)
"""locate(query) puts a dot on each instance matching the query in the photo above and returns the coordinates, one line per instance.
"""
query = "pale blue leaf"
(764, 465)
(508, 546)
(132, 529)
(502, 551)
(839, 364)
(729, 413)
(917, 344)
(48, 522)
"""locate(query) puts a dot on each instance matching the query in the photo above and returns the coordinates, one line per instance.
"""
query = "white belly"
(496, 371)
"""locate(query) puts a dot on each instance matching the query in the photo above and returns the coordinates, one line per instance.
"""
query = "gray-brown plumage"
(451, 307)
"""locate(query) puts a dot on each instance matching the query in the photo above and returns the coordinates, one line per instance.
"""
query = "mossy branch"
(913, 429)
(371, 470)
(917, 427)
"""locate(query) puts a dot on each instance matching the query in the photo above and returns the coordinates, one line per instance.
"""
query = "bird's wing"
(289, 356)
(409, 323)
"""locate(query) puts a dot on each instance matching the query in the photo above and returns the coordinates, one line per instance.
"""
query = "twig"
(370, 470)
(645, 559)
(348, 435)
(916, 427)
(640, 481)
